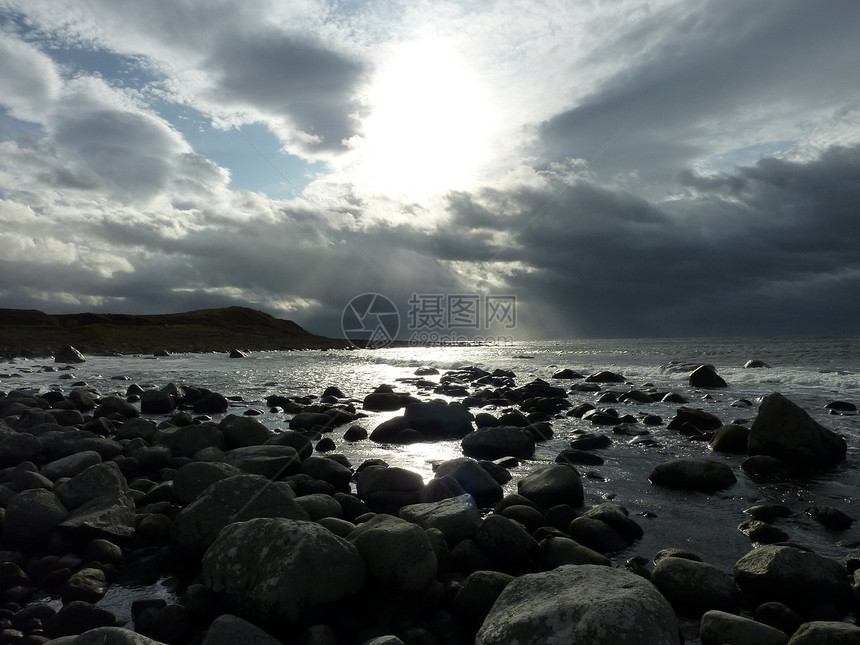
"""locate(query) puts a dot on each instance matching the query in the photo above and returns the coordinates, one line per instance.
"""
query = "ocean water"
(810, 372)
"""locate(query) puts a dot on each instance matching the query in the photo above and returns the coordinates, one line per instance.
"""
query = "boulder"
(157, 402)
(719, 627)
(695, 587)
(96, 481)
(436, 419)
(195, 477)
(71, 465)
(693, 473)
(579, 604)
(115, 405)
(473, 479)
(824, 632)
(705, 376)
(552, 485)
(385, 401)
(109, 516)
(302, 444)
(319, 506)
(730, 438)
(501, 441)
(16, 447)
(457, 517)
(228, 629)
(703, 421)
(31, 517)
(783, 430)
(596, 535)
(276, 569)
(388, 489)
(798, 578)
(234, 499)
(478, 593)
(88, 584)
(506, 540)
(68, 354)
(109, 636)
(556, 551)
(328, 470)
(211, 403)
(272, 461)
(398, 553)
(187, 441)
(242, 431)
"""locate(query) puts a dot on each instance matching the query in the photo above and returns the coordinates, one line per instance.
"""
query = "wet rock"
(693, 473)
(88, 584)
(506, 540)
(567, 373)
(16, 447)
(234, 499)
(500, 441)
(456, 517)
(573, 456)
(591, 442)
(720, 627)
(557, 551)
(78, 617)
(187, 441)
(434, 419)
(271, 569)
(242, 431)
(783, 430)
(157, 402)
(296, 440)
(355, 433)
(473, 479)
(596, 535)
(388, 489)
(587, 603)
(841, 407)
(763, 532)
(109, 516)
(68, 354)
(800, 579)
(755, 363)
(552, 485)
(705, 376)
(398, 553)
(31, 517)
(703, 421)
(115, 405)
(192, 479)
(319, 506)
(95, 481)
(71, 465)
(695, 587)
(235, 353)
(767, 467)
(605, 376)
(829, 517)
(272, 461)
(779, 616)
(385, 400)
(112, 636)
(228, 629)
(478, 593)
(211, 403)
(327, 470)
(730, 438)
(826, 633)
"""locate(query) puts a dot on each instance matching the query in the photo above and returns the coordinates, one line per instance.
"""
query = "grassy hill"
(34, 333)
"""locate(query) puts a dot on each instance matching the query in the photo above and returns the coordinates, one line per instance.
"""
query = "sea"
(811, 372)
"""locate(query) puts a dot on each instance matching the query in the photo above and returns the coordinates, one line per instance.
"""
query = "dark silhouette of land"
(32, 333)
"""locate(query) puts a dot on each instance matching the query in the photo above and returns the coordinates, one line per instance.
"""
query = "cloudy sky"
(624, 169)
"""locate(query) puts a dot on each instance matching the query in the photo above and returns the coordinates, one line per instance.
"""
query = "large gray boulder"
(272, 461)
(71, 465)
(798, 578)
(240, 431)
(506, 540)
(108, 636)
(553, 485)
(826, 632)
(693, 473)
(195, 477)
(783, 430)
(277, 569)
(68, 354)
(99, 480)
(188, 440)
(457, 517)
(234, 499)
(580, 604)
(398, 553)
(110, 516)
(435, 419)
(388, 489)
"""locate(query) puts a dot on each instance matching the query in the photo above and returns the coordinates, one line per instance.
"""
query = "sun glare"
(430, 124)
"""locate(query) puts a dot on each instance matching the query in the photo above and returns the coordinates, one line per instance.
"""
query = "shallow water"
(810, 372)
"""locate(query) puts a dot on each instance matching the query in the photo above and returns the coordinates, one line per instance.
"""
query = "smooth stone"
(388, 489)
(457, 517)
(242, 431)
(579, 604)
(506, 540)
(398, 553)
(478, 593)
(277, 569)
(473, 479)
(228, 629)
(693, 473)
(695, 587)
(500, 441)
(31, 517)
(705, 376)
(826, 633)
(553, 485)
(192, 479)
(719, 627)
(557, 551)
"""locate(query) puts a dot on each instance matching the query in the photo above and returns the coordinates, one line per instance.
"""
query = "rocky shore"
(260, 536)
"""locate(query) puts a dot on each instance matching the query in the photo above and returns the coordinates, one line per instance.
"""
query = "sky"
(619, 169)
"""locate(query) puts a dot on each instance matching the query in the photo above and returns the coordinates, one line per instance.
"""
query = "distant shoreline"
(34, 334)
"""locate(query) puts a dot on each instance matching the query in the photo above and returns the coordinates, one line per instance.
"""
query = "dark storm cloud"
(717, 70)
(293, 76)
(778, 256)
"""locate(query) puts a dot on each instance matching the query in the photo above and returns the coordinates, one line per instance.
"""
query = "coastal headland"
(32, 333)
